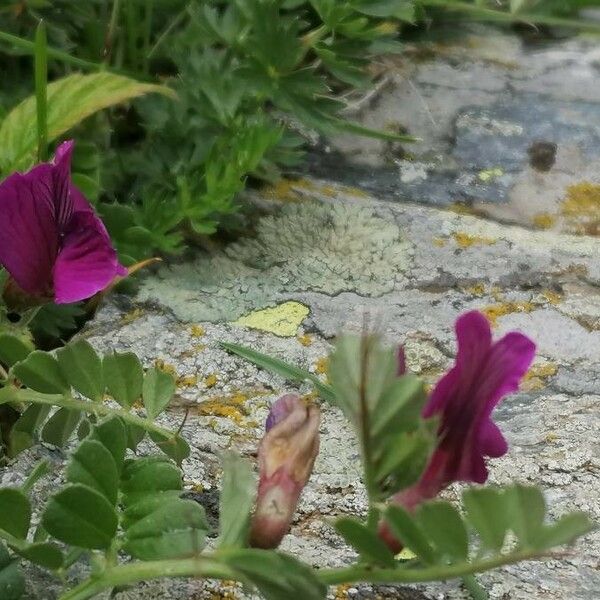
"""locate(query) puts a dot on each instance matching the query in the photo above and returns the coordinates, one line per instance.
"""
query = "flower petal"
(281, 408)
(492, 441)
(87, 262)
(30, 238)
(61, 177)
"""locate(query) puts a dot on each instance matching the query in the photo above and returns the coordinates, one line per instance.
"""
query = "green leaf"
(280, 367)
(112, 434)
(566, 530)
(14, 349)
(486, 512)
(368, 544)
(12, 582)
(276, 575)
(15, 512)
(238, 491)
(70, 100)
(135, 434)
(175, 530)
(173, 445)
(527, 509)
(93, 465)
(147, 504)
(40, 372)
(80, 516)
(444, 526)
(124, 377)
(409, 532)
(82, 368)
(157, 390)
(149, 475)
(22, 434)
(45, 554)
(60, 426)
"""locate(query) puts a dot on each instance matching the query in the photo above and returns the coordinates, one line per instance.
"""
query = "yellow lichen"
(551, 437)
(552, 297)
(341, 591)
(465, 240)
(581, 208)
(305, 339)
(490, 174)
(439, 242)
(187, 381)
(165, 367)
(322, 365)
(289, 189)
(231, 407)
(460, 208)
(535, 378)
(282, 320)
(544, 220)
(131, 316)
(495, 311)
(477, 289)
(210, 380)
(197, 331)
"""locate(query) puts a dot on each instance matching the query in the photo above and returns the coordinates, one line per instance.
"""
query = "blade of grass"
(280, 367)
(41, 96)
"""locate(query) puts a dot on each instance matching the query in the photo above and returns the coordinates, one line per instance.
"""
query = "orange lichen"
(210, 380)
(465, 240)
(495, 311)
(305, 339)
(231, 407)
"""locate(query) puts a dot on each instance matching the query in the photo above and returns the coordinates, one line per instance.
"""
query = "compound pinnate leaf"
(486, 512)
(124, 377)
(14, 349)
(15, 512)
(565, 531)
(40, 372)
(45, 554)
(157, 390)
(60, 426)
(147, 476)
(526, 511)
(12, 582)
(81, 366)
(94, 466)
(112, 434)
(80, 516)
(409, 532)
(172, 444)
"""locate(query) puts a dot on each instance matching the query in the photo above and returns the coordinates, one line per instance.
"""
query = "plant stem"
(41, 95)
(110, 33)
(143, 571)
(474, 588)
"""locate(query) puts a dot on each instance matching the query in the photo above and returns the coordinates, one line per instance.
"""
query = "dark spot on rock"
(542, 155)
(210, 501)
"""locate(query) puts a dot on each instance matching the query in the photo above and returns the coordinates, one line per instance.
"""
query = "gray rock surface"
(325, 255)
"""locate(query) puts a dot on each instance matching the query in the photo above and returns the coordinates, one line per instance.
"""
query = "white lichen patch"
(303, 247)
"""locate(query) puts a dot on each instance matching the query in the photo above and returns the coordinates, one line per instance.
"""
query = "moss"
(322, 248)
(282, 320)
(465, 240)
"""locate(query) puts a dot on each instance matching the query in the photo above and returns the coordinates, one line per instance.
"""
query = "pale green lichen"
(303, 247)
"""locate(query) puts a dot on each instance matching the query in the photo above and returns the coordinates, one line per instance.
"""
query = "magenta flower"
(53, 244)
(463, 400)
(286, 456)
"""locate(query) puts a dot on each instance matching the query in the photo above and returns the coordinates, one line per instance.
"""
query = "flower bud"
(286, 456)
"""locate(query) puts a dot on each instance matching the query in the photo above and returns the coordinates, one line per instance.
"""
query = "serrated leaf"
(409, 533)
(172, 444)
(15, 512)
(238, 491)
(444, 526)
(45, 554)
(112, 434)
(14, 349)
(94, 466)
(175, 530)
(40, 372)
(81, 367)
(80, 516)
(124, 377)
(486, 512)
(60, 426)
(368, 544)
(276, 575)
(12, 582)
(70, 100)
(157, 390)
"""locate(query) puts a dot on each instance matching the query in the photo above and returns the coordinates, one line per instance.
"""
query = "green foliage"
(12, 582)
(51, 381)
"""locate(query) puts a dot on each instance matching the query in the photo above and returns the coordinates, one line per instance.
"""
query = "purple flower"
(53, 244)
(286, 456)
(463, 400)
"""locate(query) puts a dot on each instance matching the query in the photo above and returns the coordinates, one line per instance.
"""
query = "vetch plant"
(124, 515)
